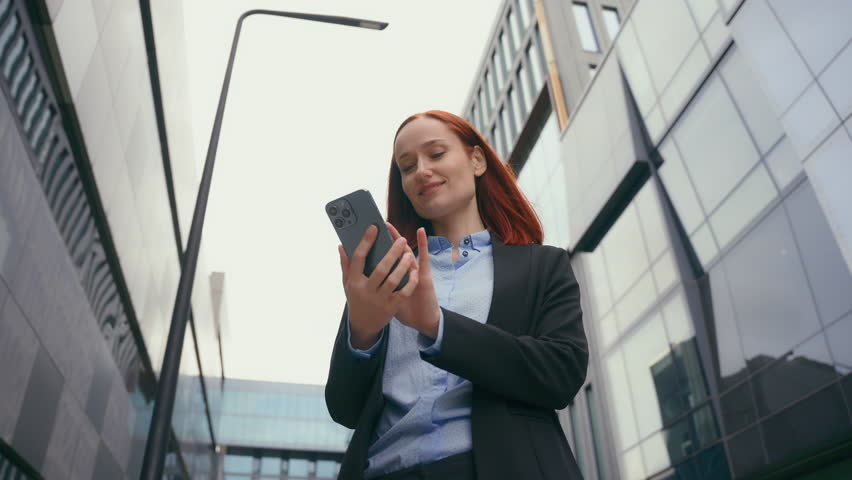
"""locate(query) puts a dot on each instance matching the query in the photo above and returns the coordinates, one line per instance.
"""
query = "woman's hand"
(420, 310)
(372, 303)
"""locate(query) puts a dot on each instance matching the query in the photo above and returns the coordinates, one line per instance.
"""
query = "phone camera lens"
(332, 210)
(346, 212)
(338, 222)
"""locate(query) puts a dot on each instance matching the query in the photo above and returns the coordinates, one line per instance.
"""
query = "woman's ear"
(479, 163)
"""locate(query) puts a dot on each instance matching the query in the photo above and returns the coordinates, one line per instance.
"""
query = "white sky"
(311, 114)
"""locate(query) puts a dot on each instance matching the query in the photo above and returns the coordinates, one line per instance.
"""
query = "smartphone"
(351, 215)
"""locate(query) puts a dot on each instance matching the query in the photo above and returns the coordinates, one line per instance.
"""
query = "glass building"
(93, 214)
(278, 431)
(693, 157)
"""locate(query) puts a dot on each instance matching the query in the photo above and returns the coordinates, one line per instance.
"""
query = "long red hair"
(503, 208)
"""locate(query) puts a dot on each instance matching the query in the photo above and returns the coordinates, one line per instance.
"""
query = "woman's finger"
(359, 256)
(344, 263)
(423, 250)
(405, 264)
(410, 286)
(393, 231)
(385, 264)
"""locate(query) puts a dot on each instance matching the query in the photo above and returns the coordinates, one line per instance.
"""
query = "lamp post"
(157, 443)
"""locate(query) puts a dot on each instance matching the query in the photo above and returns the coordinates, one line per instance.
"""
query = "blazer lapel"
(508, 301)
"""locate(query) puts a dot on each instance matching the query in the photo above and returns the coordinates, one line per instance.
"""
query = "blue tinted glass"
(238, 463)
(326, 468)
(829, 276)
(297, 467)
(270, 465)
(770, 293)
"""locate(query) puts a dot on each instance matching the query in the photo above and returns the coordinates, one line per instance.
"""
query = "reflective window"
(577, 437)
(715, 166)
(526, 87)
(830, 279)
(810, 364)
(485, 112)
(326, 469)
(595, 421)
(239, 464)
(508, 53)
(492, 94)
(508, 128)
(297, 467)
(667, 34)
(270, 465)
(751, 100)
(524, 10)
(585, 29)
(498, 70)
(536, 59)
(770, 292)
(612, 22)
(513, 30)
(517, 114)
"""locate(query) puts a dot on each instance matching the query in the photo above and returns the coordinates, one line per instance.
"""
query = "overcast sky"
(311, 114)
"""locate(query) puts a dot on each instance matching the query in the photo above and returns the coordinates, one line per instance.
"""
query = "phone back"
(351, 215)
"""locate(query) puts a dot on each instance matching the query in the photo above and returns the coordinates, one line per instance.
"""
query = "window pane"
(238, 463)
(585, 29)
(576, 437)
(770, 292)
(622, 405)
(537, 69)
(508, 128)
(525, 13)
(326, 468)
(517, 114)
(595, 420)
(611, 21)
(484, 111)
(513, 29)
(829, 277)
(593, 69)
(298, 467)
(715, 167)
(498, 70)
(492, 96)
(508, 53)
(270, 465)
(526, 87)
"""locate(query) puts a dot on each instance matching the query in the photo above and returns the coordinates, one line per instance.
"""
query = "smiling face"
(437, 169)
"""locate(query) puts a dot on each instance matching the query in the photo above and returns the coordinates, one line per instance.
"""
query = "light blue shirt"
(427, 410)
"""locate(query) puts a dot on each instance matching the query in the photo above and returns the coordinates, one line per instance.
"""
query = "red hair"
(503, 208)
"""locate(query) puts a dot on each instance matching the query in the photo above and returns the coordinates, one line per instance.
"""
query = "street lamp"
(157, 443)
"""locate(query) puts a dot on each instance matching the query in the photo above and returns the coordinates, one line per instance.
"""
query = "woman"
(457, 375)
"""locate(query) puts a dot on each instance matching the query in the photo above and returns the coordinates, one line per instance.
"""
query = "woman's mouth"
(430, 188)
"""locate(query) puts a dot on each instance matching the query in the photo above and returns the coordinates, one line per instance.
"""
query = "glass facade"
(88, 255)
(697, 187)
(512, 78)
(278, 430)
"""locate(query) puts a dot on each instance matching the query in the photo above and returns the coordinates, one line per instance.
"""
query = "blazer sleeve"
(544, 369)
(349, 378)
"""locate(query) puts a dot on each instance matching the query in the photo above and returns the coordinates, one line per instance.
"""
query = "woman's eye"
(407, 168)
(438, 155)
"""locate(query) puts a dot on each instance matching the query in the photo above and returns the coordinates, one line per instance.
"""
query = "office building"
(693, 157)
(92, 211)
(278, 431)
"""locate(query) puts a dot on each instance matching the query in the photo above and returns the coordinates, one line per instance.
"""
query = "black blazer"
(526, 361)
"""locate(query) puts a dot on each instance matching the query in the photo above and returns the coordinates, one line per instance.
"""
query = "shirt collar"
(437, 244)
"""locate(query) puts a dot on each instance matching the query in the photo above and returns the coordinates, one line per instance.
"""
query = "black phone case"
(364, 212)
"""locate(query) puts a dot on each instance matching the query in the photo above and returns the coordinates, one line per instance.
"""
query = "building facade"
(92, 215)
(693, 157)
(278, 431)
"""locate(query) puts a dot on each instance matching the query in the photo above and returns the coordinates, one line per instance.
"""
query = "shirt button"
(466, 241)
(464, 253)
